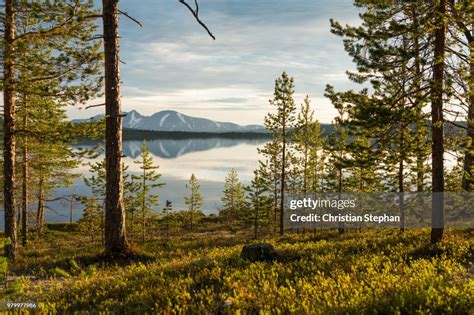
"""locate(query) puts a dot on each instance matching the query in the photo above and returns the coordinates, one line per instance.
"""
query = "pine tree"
(116, 243)
(270, 173)
(337, 148)
(50, 46)
(115, 230)
(280, 124)
(437, 125)
(96, 183)
(400, 49)
(96, 180)
(234, 198)
(460, 43)
(147, 181)
(259, 202)
(169, 219)
(194, 202)
(9, 130)
(389, 49)
(132, 204)
(91, 223)
(51, 175)
(309, 143)
(294, 173)
(454, 177)
(363, 163)
(50, 159)
(168, 208)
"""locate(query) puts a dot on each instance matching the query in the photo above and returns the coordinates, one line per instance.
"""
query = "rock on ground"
(259, 252)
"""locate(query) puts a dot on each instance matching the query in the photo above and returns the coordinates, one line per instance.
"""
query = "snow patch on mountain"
(184, 121)
(134, 119)
(162, 120)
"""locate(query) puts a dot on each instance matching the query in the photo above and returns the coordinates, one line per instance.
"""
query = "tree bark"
(339, 189)
(71, 205)
(115, 233)
(283, 174)
(421, 123)
(257, 206)
(401, 165)
(468, 176)
(144, 204)
(9, 131)
(305, 170)
(401, 186)
(40, 211)
(275, 199)
(24, 189)
(437, 125)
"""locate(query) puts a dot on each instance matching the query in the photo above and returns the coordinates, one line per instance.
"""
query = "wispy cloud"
(171, 63)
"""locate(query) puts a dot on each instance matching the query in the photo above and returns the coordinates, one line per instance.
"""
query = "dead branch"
(97, 105)
(195, 13)
(131, 18)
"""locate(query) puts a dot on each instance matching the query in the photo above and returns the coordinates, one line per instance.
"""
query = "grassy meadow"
(375, 271)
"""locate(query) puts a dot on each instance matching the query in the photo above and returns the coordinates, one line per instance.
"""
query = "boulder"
(259, 252)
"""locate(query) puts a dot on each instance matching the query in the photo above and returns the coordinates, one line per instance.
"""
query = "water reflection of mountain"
(173, 148)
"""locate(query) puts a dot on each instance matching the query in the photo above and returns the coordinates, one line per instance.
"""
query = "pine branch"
(52, 31)
(57, 30)
(459, 22)
(456, 124)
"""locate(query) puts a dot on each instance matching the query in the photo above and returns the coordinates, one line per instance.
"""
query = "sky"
(171, 63)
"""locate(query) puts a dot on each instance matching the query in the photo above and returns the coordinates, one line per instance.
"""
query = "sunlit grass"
(358, 272)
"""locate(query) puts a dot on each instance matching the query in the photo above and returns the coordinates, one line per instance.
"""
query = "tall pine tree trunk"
(9, 130)
(468, 176)
(305, 170)
(40, 211)
(71, 205)
(401, 186)
(437, 125)
(401, 165)
(25, 175)
(283, 174)
(339, 190)
(257, 196)
(420, 123)
(115, 234)
(144, 205)
(275, 198)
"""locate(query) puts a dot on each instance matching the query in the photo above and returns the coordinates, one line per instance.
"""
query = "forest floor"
(376, 271)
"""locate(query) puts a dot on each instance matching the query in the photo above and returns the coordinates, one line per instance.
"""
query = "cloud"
(228, 100)
(172, 63)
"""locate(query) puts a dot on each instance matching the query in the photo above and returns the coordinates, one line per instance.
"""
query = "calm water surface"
(209, 159)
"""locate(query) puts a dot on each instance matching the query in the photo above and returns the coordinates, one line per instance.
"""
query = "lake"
(210, 159)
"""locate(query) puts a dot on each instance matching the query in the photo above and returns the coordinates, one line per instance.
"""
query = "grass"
(376, 271)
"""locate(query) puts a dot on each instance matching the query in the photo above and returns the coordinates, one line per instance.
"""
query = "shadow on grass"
(71, 264)
(426, 251)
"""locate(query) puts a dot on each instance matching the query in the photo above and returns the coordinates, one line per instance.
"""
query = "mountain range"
(173, 121)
